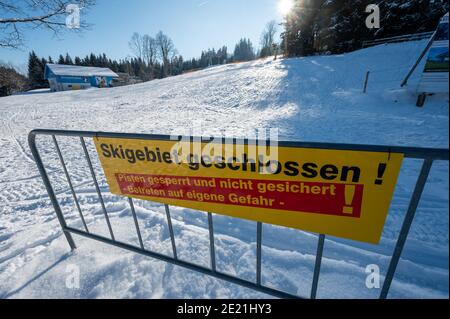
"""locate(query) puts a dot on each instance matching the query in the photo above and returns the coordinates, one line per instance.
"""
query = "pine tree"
(36, 71)
(92, 60)
(339, 25)
(244, 51)
(61, 59)
(68, 60)
(43, 64)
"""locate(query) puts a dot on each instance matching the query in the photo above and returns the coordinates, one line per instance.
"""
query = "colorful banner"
(340, 193)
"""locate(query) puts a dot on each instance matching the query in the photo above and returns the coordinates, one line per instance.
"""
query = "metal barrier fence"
(427, 154)
(400, 38)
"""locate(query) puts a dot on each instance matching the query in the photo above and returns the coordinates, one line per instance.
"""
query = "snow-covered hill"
(309, 99)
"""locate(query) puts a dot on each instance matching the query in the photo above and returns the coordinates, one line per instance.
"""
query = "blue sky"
(193, 25)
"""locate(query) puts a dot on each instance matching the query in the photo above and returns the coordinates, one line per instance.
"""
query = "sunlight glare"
(285, 6)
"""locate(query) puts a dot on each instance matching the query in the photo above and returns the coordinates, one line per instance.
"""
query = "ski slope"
(308, 99)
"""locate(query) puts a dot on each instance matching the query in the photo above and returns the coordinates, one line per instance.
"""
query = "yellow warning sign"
(335, 192)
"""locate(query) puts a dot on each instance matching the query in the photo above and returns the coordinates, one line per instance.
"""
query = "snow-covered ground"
(309, 99)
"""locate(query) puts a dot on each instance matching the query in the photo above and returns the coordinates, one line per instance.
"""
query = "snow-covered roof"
(75, 70)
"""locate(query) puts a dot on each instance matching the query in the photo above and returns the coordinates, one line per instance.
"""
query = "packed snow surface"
(315, 98)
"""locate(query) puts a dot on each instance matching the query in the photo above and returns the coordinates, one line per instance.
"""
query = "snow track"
(311, 99)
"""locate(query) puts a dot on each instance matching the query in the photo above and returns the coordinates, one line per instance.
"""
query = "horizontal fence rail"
(400, 38)
(427, 154)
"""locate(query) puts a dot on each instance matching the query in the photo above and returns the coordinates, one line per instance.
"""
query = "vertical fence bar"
(418, 189)
(258, 252)
(172, 236)
(61, 159)
(212, 249)
(48, 186)
(366, 80)
(88, 159)
(315, 281)
(133, 212)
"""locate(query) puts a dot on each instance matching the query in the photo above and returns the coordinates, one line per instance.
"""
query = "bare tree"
(149, 49)
(136, 45)
(166, 50)
(11, 81)
(149, 52)
(16, 16)
(268, 38)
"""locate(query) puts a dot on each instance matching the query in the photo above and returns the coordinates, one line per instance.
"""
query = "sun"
(285, 6)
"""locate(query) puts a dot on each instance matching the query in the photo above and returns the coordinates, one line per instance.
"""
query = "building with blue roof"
(73, 77)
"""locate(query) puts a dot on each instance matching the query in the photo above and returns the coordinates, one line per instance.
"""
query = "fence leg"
(212, 249)
(48, 186)
(426, 166)
(136, 224)
(172, 235)
(315, 281)
(258, 252)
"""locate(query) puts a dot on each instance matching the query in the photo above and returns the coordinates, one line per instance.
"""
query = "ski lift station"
(73, 77)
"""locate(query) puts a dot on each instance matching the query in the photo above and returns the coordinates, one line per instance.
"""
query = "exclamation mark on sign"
(349, 193)
(381, 169)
